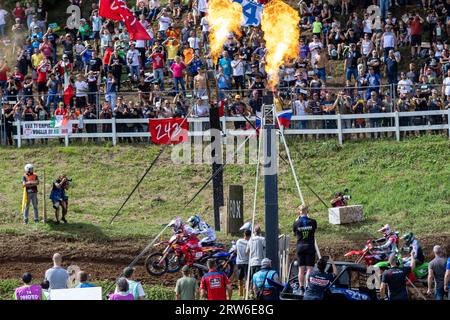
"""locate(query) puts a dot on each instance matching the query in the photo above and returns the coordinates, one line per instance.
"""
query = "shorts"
(242, 271)
(42, 87)
(416, 40)
(306, 255)
(96, 35)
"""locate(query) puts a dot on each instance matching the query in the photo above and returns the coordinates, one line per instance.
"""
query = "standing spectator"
(447, 278)
(256, 250)
(186, 286)
(446, 86)
(238, 68)
(57, 275)
(81, 91)
(133, 62)
(261, 288)
(436, 272)
(215, 284)
(30, 181)
(389, 41)
(3, 14)
(177, 69)
(134, 287)
(374, 106)
(242, 260)
(315, 108)
(115, 67)
(41, 14)
(351, 63)
(394, 279)
(83, 280)
(391, 63)
(305, 228)
(122, 291)
(158, 66)
(416, 24)
(319, 280)
(29, 291)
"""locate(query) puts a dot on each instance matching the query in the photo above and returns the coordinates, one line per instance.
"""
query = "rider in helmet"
(191, 244)
(30, 182)
(201, 227)
(390, 241)
(413, 245)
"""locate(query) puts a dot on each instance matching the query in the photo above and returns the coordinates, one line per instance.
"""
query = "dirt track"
(105, 260)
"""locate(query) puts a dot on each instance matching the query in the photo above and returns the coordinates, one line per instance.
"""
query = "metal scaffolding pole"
(270, 181)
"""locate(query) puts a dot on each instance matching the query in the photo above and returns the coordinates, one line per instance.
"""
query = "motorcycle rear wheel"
(155, 266)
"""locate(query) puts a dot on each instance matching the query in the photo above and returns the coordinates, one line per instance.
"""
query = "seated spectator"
(122, 291)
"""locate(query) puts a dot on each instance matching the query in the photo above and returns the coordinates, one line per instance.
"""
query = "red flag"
(168, 131)
(111, 9)
(135, 28)
(118, 10)
(221, 108)
(68, 94)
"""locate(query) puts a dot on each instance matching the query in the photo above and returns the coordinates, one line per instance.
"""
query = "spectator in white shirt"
(256, 249)
(133, 62)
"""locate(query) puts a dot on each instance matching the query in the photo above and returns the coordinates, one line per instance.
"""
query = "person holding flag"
(30, 181)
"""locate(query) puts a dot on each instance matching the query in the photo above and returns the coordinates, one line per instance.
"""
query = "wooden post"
(19, 134)
(44, 198)
(397, 126)
(235, 209)
(339, 126)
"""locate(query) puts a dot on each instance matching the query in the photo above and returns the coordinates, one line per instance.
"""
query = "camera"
(347, 197)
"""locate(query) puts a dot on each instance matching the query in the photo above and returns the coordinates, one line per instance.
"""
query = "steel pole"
(271, 193)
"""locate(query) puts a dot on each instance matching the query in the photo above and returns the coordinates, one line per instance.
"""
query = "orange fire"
(279, 23)
(224, 17)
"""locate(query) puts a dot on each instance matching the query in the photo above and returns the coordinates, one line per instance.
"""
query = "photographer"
(59, 197)
(339, 200)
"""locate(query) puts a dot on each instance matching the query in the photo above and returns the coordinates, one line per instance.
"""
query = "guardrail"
(199, 126)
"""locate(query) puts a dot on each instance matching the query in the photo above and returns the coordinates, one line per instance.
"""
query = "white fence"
(197, 126)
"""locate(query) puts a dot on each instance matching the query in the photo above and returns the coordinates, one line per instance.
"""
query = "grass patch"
(405, 184)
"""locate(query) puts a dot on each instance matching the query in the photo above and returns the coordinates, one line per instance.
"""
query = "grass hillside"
(403, 183)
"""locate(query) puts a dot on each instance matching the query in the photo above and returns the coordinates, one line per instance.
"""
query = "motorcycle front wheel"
(155, 265)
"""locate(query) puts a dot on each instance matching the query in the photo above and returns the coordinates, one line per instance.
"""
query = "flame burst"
(281, 34)
(224, 17)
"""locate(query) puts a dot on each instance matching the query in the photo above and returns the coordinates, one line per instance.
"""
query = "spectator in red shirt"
(3, 74)
(62, 110)
(415, 24)
(158, 66)
(19, 12)
(214, 284)
(18, 78)
(42, 70)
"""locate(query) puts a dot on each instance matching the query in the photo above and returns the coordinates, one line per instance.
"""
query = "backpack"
(260, 291)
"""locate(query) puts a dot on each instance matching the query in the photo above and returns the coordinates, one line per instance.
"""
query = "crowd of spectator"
(398, 62)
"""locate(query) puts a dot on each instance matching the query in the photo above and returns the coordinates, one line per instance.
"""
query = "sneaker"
(57, 222)
(64, 220)
(301, 292)
(25, 222)
(36, 220)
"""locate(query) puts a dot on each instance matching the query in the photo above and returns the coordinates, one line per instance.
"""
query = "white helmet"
(29, 168)
(386, 229)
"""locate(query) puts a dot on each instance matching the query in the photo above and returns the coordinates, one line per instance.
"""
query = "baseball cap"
(185, 269)
(266, 262)
(128, 271)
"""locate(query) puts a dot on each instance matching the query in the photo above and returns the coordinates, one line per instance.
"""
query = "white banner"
(94, 293)
(42, 129)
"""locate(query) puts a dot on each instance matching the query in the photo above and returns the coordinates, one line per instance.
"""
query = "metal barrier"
(199, 126)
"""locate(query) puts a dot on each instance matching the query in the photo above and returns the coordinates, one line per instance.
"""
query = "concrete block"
(343, 215)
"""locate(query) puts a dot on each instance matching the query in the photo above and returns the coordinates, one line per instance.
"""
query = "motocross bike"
(419, 274)
(171, 259)
(226, 260)
(369, 254)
